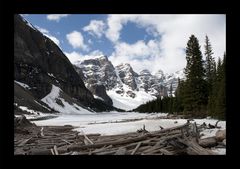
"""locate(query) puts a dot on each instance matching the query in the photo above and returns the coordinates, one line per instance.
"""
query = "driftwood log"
(182, 139)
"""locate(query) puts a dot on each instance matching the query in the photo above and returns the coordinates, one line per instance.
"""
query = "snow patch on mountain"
(29, 24)
(126, 102)
(54, 101)
(22, 84)
(24, 108)
(50, 74)
(42, 105)
(97, 97)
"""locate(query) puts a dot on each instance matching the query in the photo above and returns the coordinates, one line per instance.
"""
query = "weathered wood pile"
(217, 141)
(180, 140)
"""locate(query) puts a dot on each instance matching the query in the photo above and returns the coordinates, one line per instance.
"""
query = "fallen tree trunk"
(97, 145)
(78, 147)
(194, 149)
(136, 148)
(177, 140)
(47, 151)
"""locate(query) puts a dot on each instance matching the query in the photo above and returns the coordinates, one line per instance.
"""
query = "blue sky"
(145, 41)
(61, 28)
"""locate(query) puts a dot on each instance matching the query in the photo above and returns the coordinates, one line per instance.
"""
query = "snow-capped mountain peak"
(127, 75)
(145, 72)
(159, 74)
(123, 85)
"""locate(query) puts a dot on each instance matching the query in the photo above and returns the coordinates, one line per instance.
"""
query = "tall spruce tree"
(215, 87)
(220, 101)
(210, 64)
(210, 68)
(178, 102)
(195, 92)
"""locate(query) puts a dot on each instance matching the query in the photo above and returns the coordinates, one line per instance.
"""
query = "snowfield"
(125, 102)
(51, 101)
(109, 123)
(22, 84)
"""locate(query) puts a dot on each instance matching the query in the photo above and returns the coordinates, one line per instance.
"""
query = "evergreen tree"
(195, 92)
(210, 64)
(214, 111)
(177, 104)
(210, 68)
(158, 104)
(217, 101)
(212, 96)
(220, 102)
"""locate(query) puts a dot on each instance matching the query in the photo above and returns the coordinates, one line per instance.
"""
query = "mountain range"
(46, 81)
(121, 86)
(44, 78)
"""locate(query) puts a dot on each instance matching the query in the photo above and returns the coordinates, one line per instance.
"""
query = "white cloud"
(76, 39)
(96, 53)
(171, 32)
(96, 27)
(138, 50)
(76, 56)
(47, 34)
(140, 55)
(73, 56)
(56, 17)
(43, 30)
(115, 24)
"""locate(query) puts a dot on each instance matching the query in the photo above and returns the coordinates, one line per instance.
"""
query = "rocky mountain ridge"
(40, 67)
(124, 81)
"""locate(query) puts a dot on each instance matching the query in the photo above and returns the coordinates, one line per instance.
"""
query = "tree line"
(203, 91)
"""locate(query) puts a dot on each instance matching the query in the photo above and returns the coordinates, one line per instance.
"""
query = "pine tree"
(210, 68)
(195, 92)
(220, 102)
(158, 104)
(177, 104)
(210, 64)
(219, 69)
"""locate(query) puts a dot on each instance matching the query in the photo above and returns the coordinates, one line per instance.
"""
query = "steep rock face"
(24, 97)
(145, 80)
(98, 71)
(39, 62)
(79, 71)
(100, 91)
(99, 75)
(152, 84)
(172, 79)
(160, 76)
(127, 75)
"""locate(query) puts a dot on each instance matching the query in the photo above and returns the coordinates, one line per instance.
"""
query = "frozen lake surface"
(110, 123)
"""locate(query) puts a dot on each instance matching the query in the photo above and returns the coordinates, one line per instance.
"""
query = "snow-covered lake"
(107, 123)
(110, 123)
